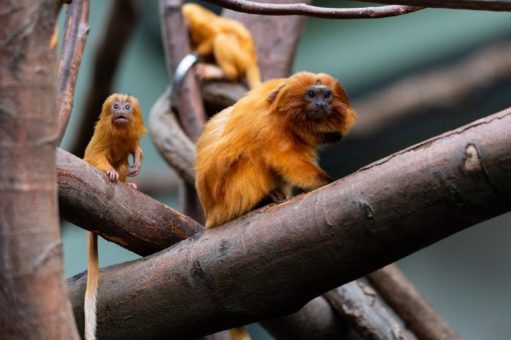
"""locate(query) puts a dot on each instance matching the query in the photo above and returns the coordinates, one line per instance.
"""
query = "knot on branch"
(471, 159)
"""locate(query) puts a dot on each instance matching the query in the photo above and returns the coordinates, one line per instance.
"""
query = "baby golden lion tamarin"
(266, 143)
(227, 40)
(116, 136)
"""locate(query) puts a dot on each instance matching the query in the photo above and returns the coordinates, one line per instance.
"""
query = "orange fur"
(266, 142)
(109, 151)
(226, 40)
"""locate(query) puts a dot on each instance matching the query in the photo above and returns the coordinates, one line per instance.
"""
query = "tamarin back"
(226, 40)
(267, 141)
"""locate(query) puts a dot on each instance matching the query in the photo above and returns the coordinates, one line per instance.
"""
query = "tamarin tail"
(253, 76)
(239, 333)
(91, 291)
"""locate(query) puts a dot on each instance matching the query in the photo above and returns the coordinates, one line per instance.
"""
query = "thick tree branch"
(33, 301)
(357, 303)
(77, 29)
(120, 23)
(116, 211)
(485, 5)
(404, 298)
(253, 7)
(359, 223)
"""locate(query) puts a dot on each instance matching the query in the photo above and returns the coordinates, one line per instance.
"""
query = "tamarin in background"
(225, 40)
(116, 135)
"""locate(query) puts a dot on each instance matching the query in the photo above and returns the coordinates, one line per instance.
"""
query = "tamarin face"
(313, 103)
(318, 98)
(121, 109)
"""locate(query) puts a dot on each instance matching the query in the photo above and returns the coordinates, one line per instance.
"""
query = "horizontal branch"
(242, 272)
(253, 7)
(485, 5)
(116, 211)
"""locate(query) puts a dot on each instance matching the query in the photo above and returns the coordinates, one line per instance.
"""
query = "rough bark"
(408, 303)
(33, 301)
(77, 29)
(358, 304)
(373, 217)
(116, 211)
(120, 23)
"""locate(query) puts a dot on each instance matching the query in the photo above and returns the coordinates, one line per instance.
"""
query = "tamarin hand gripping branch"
(116, 135)
(227, 41)
(266, 143)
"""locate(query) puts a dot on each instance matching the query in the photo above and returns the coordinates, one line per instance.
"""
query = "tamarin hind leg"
(253, 76)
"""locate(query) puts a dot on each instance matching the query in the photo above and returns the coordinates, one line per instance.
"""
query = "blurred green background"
(466, 276)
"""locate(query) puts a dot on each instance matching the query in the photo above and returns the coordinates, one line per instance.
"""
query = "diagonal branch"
(381, 213)
(253, 7)
(77, 30)
(485, 5)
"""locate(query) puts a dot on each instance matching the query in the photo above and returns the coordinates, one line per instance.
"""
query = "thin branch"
(75, 36)
(358, 303)
(456, 180)
(120, 24)
(484, 5)
(408, 303)
(116, 211)
(253, 7)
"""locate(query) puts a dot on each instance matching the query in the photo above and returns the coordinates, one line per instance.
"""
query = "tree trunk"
(33, 297)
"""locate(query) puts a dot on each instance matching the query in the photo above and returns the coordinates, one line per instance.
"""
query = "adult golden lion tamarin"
(267, 142)
(116, 136)
(226, 40)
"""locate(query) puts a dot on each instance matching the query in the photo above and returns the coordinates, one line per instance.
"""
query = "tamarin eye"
(328, 95)
(310, 93)
(116, 106)
(127, 107)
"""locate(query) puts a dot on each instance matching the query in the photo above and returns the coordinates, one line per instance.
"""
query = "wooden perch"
(405, 299)
(116, 211)
(383, 212)
(75, 35)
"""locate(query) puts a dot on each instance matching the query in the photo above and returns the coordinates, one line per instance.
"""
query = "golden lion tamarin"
(116, 135)
(266, 143)
(226, 40)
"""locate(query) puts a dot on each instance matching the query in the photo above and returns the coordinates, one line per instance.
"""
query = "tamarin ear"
(273, 95)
